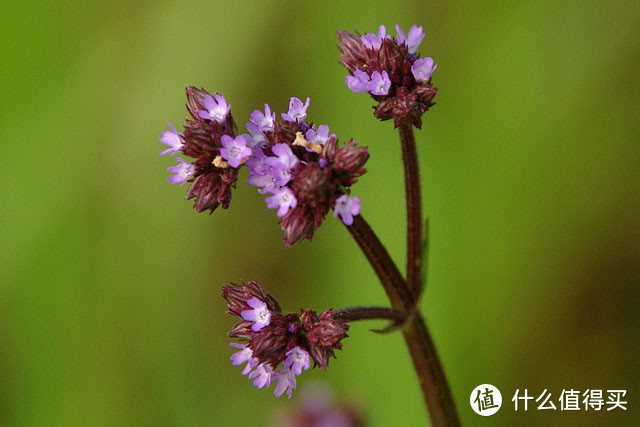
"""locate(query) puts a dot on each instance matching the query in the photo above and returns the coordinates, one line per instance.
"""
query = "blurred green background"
(110, 308)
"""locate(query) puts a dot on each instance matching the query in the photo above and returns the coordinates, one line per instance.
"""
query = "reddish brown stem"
(433, 382)
(414, 207)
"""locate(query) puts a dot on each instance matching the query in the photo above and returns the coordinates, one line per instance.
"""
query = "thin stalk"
(414, 207)
(351, 314)
(437, 395)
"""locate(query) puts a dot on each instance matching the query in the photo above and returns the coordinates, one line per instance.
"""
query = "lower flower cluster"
(277, 347)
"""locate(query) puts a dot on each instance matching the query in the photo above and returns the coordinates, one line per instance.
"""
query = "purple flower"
(297, 111)
(263, 375)
(283, 199)
(296, 360)
(244, 355)
(173, 139)
(263, 121)
(320, 137)
(235, 150)
(260, 315)
(358, 82)
(380, 83)
(285, 158)
(372, 41)
(412, 40)
(216, 110)
(422, 69)
(182, 172)
(286, 382)
(347, 208)
(258, 138)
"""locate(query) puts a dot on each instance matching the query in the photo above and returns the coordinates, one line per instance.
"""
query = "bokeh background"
(110, 308)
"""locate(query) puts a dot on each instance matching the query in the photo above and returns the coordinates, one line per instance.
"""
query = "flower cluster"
(391, 70)
(269, 338)
(303, 170)
(301, 167)
(209, 137)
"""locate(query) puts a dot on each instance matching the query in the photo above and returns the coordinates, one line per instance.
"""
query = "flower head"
(284, 344)
(212, 176)
(390, 69)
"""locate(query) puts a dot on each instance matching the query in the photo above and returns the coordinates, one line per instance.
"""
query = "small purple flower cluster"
(391, 71)
(270, 338)
(300, 166)
(209, 137)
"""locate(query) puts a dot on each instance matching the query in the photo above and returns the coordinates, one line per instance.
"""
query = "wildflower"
(422, 69)
(359, 82)
(297, 359)
(413, 40)
(305, 171)
(216, 109)
(380, 83)
(260, 315)
(263, 121)
(347, 208)
(286, 382)
(320, 137)
(284, 344)
(182, 172)
(173, 139)
(263, 375)
(391, 70)
(243, 356)
(285, 158)
(235, 151)
(297, 111)
(283, 199)
(211, 173)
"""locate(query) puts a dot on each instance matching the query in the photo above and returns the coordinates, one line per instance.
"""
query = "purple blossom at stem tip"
(260, 315)
(297, 360)
(347, 207)
(412, 40)
(182, 172)
(297, 111)
(263, 375)
(422, 69)
(244, 355)
(319, 137)
(285, 158)
(359, 82)
(263, 121)
(286, 382)
(380, 83)
(235, 150)
(216, 110)
(173, 139)
(283, 199)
